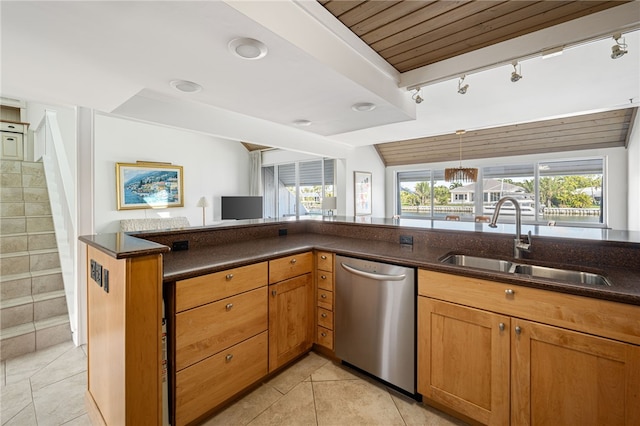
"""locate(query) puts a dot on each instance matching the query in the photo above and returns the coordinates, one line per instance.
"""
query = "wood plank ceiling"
(590, 131)
(410, 34)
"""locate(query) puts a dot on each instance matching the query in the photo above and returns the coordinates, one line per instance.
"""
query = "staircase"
(32, 297)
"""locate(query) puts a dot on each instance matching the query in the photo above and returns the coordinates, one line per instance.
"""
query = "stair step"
(50, 295)
(27, 338)
(12, 209)
(16, 311)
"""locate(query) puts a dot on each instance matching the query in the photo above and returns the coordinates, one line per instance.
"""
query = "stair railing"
(49, 146)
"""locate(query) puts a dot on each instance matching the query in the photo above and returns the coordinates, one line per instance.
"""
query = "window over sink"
(564, 192)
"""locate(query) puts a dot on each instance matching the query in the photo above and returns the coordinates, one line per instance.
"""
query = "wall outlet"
(406, 239)
(180, 245)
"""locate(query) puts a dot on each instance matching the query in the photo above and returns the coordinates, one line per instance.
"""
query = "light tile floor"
(315, 391)
(47, 388)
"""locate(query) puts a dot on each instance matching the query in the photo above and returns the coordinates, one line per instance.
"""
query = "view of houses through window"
(297, 189)
(568, 191)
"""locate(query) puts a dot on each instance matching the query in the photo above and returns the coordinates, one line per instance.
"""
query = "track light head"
(619, 49)
(515, 76)
(416, 96)
(462, 89)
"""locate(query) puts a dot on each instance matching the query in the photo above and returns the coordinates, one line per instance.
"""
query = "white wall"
(633, 195)
(212, 167)
(616, 184)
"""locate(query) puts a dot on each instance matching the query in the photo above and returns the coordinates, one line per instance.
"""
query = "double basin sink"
(535, 271)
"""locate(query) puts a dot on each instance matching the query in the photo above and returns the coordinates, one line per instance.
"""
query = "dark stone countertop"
(122, 246)
(179, 265)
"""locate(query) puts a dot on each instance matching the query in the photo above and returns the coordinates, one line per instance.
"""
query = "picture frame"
(362, 193)
(149, 185)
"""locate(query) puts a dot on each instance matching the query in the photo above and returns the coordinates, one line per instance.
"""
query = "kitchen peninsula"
(226, 251)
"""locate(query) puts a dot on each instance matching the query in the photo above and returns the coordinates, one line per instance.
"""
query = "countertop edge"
(123, 246)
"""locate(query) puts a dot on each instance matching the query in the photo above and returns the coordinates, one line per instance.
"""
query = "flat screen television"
(241, 207)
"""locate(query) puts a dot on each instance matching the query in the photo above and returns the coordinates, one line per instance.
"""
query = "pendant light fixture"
(461, 174)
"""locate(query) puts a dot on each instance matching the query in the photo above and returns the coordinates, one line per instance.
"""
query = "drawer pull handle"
(11, 127)
(518, 330)
(323, 315)
(324, 296)
(273, 292)
(229, 306)
(228, 357)
(509, 292)
(501, 326)
(323, 257)
(324, 277)
(293, 261)
(323, 334)
(229, 277)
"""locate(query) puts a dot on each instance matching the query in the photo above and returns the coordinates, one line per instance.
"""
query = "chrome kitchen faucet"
(518, 244)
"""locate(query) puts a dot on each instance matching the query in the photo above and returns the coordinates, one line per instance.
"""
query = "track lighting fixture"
(515, 75)
(416, 96)
(619, 49)
(462, 89)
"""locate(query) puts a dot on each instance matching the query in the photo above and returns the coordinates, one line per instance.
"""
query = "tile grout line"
(313, 394)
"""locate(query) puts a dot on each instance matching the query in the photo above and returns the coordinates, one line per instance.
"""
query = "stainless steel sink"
(577, 277)
(478, 262)
(498, 265)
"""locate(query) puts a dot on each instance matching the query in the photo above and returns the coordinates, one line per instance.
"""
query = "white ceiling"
(119, 57)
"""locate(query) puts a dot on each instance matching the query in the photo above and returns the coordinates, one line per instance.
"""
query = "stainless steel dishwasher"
(375, 319)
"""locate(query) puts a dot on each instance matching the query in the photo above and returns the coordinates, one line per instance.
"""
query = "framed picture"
(144, 185)
(362, 193)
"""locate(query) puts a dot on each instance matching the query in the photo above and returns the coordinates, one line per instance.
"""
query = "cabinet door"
(565, 377)
(463, 359)
(290, 319)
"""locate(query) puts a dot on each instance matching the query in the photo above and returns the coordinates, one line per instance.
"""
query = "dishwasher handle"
(372, 275)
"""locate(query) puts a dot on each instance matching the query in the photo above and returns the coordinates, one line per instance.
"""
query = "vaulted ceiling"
(411, 34)
(608, 129)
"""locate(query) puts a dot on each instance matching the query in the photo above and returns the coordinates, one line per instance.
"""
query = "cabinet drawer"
(12, 127)
(324, 261)
(290, 266)
(208, 329)
(595, 316)
(325, 337)
(209, 288)
(207, 384)
(324, 280)
(325, 318)
(325, 299)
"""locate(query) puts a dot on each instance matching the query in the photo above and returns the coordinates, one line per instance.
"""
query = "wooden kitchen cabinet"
(504, 354)
(220, 335)
(290, 309)
(562, 377)
(463, 359)
(324, 299)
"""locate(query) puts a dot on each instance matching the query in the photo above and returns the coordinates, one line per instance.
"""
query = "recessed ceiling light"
(363, 106)
(302, 123)
(185, 86)
(248, 48)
